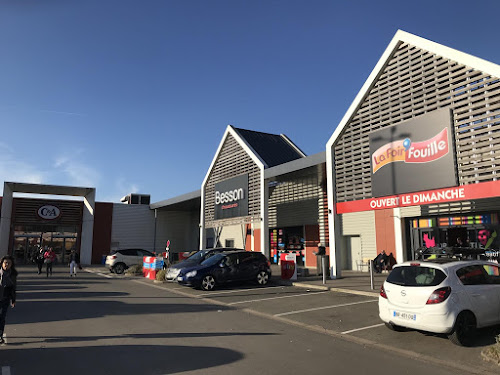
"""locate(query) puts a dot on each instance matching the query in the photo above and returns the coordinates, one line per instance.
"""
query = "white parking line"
(360, 329)
(324, 307)
(5, 370)
(235, 291)
(268, 299)
(98, 273)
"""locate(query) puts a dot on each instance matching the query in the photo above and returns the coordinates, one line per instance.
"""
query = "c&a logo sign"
(411, 152)
(49, 212)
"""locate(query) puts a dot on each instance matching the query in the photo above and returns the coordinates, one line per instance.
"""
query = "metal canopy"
(19, 187)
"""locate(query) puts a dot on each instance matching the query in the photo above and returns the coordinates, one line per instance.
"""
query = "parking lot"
(343, 315)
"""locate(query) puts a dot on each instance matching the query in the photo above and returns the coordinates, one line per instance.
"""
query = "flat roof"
(180, 203)
(21, 187)
(296, 165)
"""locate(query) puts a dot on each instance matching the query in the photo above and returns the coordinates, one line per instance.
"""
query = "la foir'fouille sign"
(414, 155)
(231, 198)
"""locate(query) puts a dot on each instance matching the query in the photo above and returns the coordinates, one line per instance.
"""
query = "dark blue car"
(227, 267)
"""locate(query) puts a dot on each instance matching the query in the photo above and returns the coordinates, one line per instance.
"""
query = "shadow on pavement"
(55, 295)
(15, 340)
(54, 311)
(118, 359)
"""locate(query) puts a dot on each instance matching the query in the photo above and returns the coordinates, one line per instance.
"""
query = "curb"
(332, 289)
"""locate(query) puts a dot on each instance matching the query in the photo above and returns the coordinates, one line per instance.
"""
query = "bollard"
(324, 267)
(371, 274)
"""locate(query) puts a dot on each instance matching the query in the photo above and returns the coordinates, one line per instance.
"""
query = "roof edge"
(428, 45)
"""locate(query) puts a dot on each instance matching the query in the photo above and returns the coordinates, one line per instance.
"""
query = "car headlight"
(191, 274)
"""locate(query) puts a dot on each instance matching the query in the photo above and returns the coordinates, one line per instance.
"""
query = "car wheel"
(208, 283)
(262, 278)
(394, 327)
(464, 328)
(119, 268)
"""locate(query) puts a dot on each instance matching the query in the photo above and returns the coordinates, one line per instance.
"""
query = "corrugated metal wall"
(180, 227)
(296, 199)
(133, 226)
(413, 211)
(362, 224)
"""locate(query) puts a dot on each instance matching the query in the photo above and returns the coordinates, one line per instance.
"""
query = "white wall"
(361, 224)
(133, 227)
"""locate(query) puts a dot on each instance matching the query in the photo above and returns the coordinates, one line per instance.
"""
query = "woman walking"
(8, 281)
(50, 257)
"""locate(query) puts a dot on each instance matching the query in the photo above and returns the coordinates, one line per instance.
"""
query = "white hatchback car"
(442, 296)
(119, 260)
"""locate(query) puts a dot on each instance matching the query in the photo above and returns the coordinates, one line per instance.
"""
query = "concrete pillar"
(5, 219)
(398, 235)
(264, 214)
(87, 228)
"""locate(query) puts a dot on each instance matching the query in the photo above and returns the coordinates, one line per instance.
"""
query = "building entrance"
(28, 239)
(474, 230)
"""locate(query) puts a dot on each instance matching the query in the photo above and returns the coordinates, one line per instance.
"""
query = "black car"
(227, 267)
(193, 260)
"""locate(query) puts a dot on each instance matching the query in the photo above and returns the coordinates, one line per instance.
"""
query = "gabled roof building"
(415, 160)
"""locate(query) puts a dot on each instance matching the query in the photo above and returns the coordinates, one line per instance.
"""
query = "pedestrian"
(50, 257)
(74, 262)
(39, 259)
(8, 281)
(380, 262)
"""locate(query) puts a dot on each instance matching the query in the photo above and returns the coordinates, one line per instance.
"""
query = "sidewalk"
(353, 282)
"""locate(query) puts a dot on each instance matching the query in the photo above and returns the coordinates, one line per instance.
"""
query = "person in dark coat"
(380, 262)
(39, 259)
(8, 282)
(74, 262)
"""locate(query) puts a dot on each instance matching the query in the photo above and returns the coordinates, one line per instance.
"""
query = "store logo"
(408, 152)
(228, 197)
(49, 212)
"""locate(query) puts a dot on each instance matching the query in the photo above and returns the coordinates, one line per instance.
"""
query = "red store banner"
(458, 193)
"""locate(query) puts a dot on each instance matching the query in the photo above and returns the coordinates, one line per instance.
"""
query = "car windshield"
(213, 260)
(416, 276)
(198, 256)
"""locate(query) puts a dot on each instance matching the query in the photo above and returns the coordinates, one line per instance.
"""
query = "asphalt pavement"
(316, 327)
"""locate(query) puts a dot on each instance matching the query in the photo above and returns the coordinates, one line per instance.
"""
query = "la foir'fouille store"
(413, 165)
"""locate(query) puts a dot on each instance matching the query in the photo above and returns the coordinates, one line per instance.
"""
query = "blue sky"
(135, 95)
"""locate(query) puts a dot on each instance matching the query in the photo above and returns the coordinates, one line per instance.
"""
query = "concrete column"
(264, 212)
(6, 219)
(398, 235)
(87, 227)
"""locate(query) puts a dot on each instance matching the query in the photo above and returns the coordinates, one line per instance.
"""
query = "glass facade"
(27, 238)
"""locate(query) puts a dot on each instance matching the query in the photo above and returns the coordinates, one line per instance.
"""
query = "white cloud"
(121, 189)
(14, 170)
(76, 172)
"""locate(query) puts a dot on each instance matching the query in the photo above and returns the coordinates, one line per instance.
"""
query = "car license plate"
(404, 315)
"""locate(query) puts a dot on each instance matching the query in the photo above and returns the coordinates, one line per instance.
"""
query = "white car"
(119, 260)
(442, 296)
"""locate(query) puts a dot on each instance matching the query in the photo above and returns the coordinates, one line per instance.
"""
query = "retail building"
(415, 160)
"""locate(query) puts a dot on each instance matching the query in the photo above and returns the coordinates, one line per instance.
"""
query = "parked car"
(119, 260)
(227, 267)
(196, 258)
(442, 296)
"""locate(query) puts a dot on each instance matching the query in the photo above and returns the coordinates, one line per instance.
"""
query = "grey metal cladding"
(415, 82)
(232, 161)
